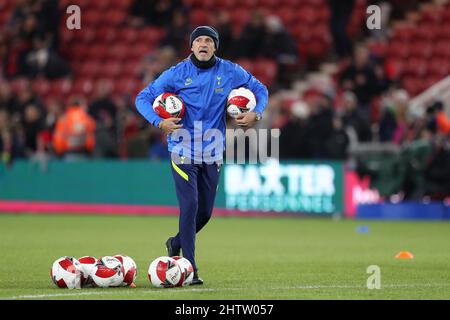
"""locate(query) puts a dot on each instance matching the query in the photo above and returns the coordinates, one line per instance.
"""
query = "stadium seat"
(111, 70)
(121, 4)
(118, 52)
(41, 86)
(199, 17)
(399, 49)
(422, 49)
(83, 87)
(90, 69)
(91, 19)
(268, 4)
(106, 35)
(97, 51)
(101, 5)
(265, 70)
(287, 15)
(128, 35)
(115, 17)
(239, 17)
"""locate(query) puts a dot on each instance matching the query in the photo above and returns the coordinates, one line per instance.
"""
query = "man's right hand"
(169, 125)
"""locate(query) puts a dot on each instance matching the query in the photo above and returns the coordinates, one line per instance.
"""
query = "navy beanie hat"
(205, 31)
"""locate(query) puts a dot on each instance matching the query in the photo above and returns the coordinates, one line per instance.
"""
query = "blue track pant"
(196, 186)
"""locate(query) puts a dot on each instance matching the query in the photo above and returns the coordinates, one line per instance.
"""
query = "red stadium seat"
(83, 86)
(118, 51)
(398, 49)
(266, 71)
(130, 68)
(422, 49)
(106, 35)
(439, 67)
(101, 4)
(91, 19)
(287, 15)
(442, 48)
(416, 66)
(121, 4)
(41, 86)
(268, 4)
(97, 51)
(247, 64)
(111, 70)
(115, 17)
(404, 33)
(239, 17)
(128, 35)
(199, 17)
(90, 69)
(61, 87)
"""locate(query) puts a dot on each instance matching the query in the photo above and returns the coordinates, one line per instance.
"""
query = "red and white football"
(169, 105)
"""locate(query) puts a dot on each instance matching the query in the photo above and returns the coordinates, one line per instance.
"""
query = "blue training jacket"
(204, 92)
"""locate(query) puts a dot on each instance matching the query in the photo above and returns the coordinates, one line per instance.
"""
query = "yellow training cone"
(404, 255)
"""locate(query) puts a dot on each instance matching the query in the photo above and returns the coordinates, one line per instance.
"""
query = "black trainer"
(196, 280)
(171, 252)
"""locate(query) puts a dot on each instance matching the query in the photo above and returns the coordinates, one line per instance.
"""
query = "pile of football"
(88, 271)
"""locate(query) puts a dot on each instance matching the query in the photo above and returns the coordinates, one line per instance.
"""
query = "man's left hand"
(247, 119)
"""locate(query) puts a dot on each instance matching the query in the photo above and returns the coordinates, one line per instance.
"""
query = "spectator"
(220, 20)
(44, 61)
(442, 121)
(251, 40)
(32, 124)
(353, 118)
(320, 125)
(102, 103)
(178, 33)
(153, 12)
(337, 144)
(437, 171)
(294, 134)
(156, 63)
(393, 124)
(341, 12)
(26, 96)
(360, 78)
(280, 46)
(8, 100)
(74, 136)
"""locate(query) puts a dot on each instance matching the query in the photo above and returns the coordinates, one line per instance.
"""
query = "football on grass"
(108, 272)
(66, 272)
(164, 272)
(187, 271)
(129, 267)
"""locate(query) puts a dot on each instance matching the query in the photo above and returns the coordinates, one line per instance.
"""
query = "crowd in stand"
(361, 102)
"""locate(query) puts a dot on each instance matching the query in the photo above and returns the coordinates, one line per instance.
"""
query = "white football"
(187, 271)
(168, 105)
(130, 269)
(164, 272)
(240, 100)
(66, 273)
(108, 272)
(87, 266)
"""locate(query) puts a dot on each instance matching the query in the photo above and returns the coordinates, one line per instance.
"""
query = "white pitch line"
(38, 296)
(182, 290)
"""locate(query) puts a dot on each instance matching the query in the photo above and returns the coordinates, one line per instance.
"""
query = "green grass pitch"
(239, 258)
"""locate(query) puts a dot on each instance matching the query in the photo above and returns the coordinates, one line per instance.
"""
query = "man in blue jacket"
(203, 81)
